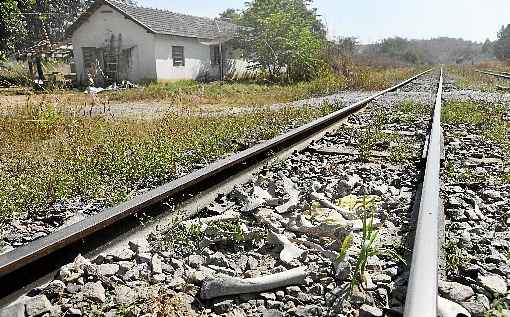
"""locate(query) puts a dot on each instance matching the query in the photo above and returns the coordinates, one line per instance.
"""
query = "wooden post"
(221, 61)
(30, 69)
(38, 64)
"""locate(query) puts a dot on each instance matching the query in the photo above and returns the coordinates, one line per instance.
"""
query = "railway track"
(503, 75)
(356, 174)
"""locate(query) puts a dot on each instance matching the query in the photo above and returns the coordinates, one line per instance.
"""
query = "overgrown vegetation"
(410, 111)
(50, 156)
(502, 45)
(488, 118)
(441, 50)
(46, 20)
(258, 93)
(467, 78)
(236, 93)
(499, 308)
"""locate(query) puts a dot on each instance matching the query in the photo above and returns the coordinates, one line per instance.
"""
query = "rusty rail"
(421, 299)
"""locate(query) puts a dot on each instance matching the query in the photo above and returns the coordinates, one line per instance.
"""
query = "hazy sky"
(372, 20)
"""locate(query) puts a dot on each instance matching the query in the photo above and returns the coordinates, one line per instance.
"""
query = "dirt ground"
(83, 105)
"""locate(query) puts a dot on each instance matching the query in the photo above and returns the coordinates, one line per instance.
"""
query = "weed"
(342, 252)
(184, 240)
(125, 310)
(231, 227)
(453, 256)
(166, 304)
(449, 169)
(371, 135)
(485, 117)
(409, 111)
(400, 153)
(468, 78)
(499, 308)
(367, 249)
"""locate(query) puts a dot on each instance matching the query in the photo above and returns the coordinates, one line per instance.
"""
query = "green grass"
(409, 111)
(49, 156)
(498, 308)
(488, 118)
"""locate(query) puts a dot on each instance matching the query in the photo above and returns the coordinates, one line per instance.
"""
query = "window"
(178, 55)
(215, 55)
(89, 57)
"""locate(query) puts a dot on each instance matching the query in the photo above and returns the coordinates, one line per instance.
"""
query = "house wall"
(97, 31)
(197, 57)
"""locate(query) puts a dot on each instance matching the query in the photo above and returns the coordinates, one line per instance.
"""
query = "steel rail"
(499, 75)
(67, 241)
(421, 298)
(497, 72)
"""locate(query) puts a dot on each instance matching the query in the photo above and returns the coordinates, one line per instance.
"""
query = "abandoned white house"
(114, 41)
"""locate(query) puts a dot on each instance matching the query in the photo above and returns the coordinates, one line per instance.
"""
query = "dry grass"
(49, 156)
(467, 78)
(171, 305)
(256, 93)
(248, 93)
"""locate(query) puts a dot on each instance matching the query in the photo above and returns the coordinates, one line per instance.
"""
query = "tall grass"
(466, 77)
(48, 155)
(260, 93)
(244, 93)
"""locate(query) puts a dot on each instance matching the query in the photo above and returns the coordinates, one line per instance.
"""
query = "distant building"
(115, 41)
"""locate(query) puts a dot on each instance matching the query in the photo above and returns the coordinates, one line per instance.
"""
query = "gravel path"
(279, 234)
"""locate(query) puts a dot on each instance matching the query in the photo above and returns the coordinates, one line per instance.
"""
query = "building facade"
(113, 41)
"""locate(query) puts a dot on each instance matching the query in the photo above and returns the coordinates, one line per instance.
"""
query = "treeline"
(501, 47)
(433, 51)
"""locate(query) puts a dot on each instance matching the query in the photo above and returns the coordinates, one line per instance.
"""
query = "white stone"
(124, 295)
(156, 264)
(455, 291)
(107, 269)
(493, 283)
(37, 305)
(16, 310)
(94, 291)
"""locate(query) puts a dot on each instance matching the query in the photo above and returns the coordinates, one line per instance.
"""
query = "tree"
(283, 37)
(487, 47)
(24, 23)
(11, 27)
(502, 45)
(231, 15)
(346, 45)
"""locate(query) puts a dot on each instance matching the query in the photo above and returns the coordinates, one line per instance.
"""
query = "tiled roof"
(165, 22)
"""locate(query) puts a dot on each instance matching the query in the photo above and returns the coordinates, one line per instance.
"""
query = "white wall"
(197, 58)
(97, 30)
